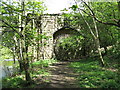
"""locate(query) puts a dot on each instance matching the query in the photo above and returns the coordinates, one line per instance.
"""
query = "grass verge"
(37, 69)
(92, 75)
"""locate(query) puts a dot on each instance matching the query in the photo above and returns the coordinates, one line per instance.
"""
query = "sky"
(54, 6)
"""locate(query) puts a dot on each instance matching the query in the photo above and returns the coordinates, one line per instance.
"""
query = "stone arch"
(59, 34)
(65, 31)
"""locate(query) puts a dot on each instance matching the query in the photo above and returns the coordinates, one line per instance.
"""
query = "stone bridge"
(52, 25)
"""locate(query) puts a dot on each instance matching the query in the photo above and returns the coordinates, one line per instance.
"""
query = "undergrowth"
(92, 75)
(36, 68)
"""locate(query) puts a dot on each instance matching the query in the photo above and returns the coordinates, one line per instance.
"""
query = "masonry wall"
(49, 25)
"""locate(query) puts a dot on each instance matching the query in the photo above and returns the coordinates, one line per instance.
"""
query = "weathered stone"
(55, 30)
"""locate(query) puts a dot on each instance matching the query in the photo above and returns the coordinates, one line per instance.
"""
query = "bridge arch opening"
(62, 49)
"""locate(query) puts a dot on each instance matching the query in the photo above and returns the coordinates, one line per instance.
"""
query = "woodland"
(89, 59)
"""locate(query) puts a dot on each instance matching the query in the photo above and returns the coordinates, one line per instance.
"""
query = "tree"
(20, 17)
(109, 18)
(91, 12)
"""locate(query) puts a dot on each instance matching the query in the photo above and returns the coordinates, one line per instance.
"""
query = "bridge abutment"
(49, 25)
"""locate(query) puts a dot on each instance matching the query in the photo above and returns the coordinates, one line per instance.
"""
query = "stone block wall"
(49, 25)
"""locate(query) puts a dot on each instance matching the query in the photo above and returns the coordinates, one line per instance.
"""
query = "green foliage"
(13, 82)
(113, 56)
(91, 75)
(74, 7)
(5, 53)
(18, 80)
(73, 47)
(68, 47)
(13, 11)
(106, 11)
(7, 39)
(37, 6)
(43, 63)
(43, 72)
(40, 63)
(39, 67)
(19, 34)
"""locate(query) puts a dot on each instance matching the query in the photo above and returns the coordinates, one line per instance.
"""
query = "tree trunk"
(14, 55)
(26, 61)
(27, 73)
(20, 56)
(98, 44)
(105, 47)
(99, 52)
(21, 66)
(24, 47)
(27, 76)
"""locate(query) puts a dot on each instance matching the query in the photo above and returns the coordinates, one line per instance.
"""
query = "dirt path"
(61, 76)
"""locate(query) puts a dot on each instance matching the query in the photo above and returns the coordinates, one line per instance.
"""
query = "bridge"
(52, 25)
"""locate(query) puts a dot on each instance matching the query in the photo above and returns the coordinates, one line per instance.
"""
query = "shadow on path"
(61, 76)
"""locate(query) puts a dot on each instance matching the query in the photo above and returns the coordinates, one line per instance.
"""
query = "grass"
(37, 69)
(13, 82)
(92, 75)
(43, 63)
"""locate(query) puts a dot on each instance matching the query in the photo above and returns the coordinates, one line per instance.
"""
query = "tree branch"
(12, 28)
(8, 26)
(93, 15)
